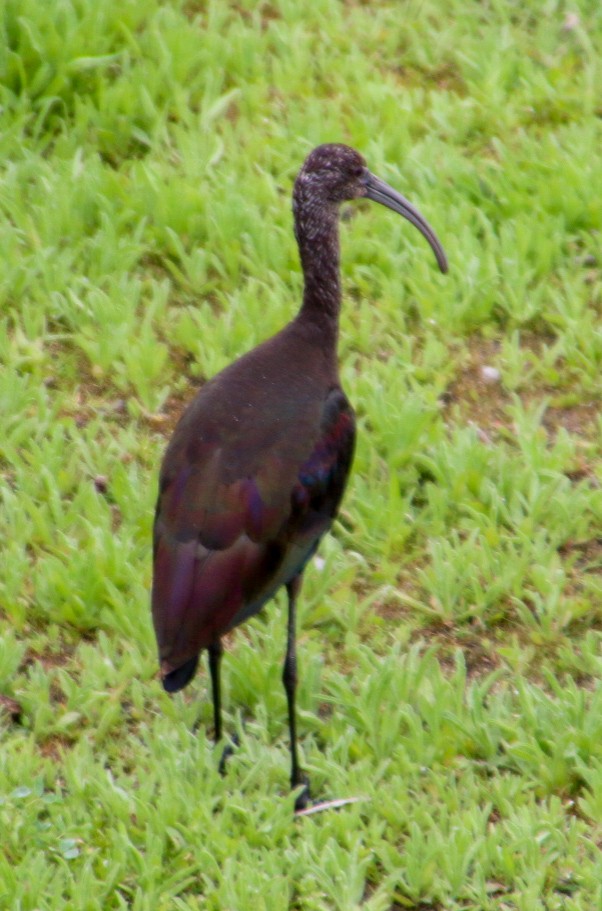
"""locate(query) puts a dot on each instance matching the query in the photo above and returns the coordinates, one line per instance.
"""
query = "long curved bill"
(381, 192)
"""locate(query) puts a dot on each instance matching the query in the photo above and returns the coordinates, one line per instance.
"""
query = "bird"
(253, 475)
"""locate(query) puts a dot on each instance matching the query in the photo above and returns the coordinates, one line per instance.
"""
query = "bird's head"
(334, 173)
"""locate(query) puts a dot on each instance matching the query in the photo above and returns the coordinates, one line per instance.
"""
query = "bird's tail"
(177, 680)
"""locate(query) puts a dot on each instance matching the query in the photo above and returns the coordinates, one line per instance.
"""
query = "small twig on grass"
(329, 805)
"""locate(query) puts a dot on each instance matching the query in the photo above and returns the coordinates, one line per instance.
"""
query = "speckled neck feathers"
(317, 233)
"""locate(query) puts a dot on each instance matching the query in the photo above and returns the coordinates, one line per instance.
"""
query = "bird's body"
(251, 480)
(256, 468)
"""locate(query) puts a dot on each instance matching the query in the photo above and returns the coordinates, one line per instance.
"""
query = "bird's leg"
(216, 650)
(289, 678)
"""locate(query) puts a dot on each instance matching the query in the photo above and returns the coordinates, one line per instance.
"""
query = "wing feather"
(224, 545)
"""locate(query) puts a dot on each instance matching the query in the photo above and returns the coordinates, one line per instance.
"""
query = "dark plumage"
(256, 468)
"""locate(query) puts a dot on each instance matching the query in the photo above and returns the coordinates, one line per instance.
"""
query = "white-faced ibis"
(257, 465)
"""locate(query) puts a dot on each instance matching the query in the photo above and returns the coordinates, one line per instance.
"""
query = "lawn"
(450, 644)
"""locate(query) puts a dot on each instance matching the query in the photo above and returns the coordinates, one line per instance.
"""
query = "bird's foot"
(227, 752)
(303, 798)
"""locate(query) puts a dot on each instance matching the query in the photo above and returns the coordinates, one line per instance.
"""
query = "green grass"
(451, 638)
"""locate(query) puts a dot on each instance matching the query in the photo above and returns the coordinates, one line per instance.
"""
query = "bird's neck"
(318, 239)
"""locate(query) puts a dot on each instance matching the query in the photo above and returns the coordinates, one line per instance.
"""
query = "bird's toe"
(303, 798)
(227, 752)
